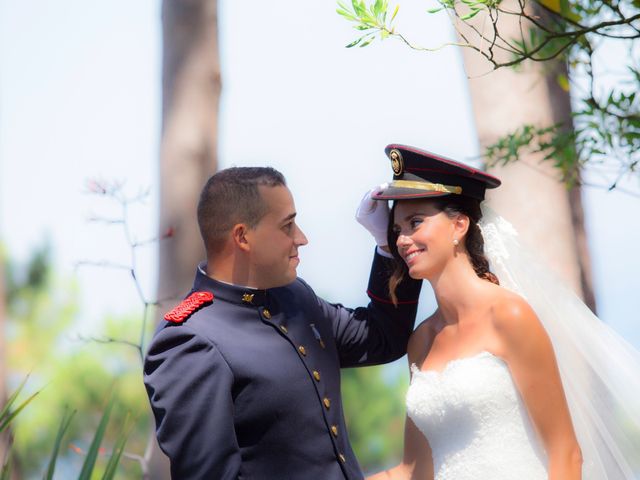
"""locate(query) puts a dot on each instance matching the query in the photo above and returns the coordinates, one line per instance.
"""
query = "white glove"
(374, 216)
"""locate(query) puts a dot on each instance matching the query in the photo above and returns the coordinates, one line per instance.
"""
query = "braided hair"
(451, 205)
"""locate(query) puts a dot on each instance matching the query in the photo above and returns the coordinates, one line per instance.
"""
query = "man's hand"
(374, 216)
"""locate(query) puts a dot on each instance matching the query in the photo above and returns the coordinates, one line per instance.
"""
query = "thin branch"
(107, 221)
(103, 263)
(609, 188)
(581, 183)
(426, 49)
(148, 241)
(143, 330)
(115, 192)
(107, 340)
(138, 286)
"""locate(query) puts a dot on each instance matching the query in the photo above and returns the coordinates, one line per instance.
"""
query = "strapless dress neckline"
(452, 362)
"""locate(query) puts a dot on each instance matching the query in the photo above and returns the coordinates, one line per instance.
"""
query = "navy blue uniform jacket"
(249, 387)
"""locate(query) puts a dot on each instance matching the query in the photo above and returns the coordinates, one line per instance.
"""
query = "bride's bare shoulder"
(512, 317)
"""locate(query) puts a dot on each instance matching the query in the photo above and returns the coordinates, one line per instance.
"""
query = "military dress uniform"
(245, 384)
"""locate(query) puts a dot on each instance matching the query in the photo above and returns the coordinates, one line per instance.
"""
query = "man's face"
(275, 240)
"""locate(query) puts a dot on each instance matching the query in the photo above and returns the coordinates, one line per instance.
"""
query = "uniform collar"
(227, 291)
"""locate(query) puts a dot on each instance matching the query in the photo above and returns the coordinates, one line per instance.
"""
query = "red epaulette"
(185, 309)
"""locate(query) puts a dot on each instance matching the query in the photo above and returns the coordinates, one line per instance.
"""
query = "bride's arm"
(416, 462)
(529, 354)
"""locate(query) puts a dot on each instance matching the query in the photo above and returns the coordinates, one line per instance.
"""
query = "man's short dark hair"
(231, 196)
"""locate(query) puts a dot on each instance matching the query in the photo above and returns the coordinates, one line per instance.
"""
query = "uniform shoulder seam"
(210, 341)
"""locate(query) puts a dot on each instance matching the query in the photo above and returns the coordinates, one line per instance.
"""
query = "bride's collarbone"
(440, 365)
(442, 347)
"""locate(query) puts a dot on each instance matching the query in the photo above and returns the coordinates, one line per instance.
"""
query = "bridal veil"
(600, 371)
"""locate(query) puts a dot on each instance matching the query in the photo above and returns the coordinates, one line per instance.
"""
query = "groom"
(244, 375)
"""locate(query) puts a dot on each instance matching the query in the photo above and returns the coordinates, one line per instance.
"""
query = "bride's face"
(425, 237)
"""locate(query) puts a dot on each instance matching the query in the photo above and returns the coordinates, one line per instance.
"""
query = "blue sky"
(80, 99)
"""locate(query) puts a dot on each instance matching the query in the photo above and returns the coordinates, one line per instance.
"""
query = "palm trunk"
(560, 102)
(188, 151)
(548, 216)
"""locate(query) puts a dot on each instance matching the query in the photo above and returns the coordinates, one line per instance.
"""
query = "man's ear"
(239, 235)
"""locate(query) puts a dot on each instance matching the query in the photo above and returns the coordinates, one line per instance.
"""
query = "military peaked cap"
(419, 174)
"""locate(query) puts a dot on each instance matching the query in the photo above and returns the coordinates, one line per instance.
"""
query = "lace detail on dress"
(475, 421)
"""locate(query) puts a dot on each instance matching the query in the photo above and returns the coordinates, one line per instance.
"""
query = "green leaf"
(364, 44)
(395, 12)
(469, 15)
(6, 415)
(118, 449)
(92, 453)
(435, 10)
(567, 11)
(64, 425)
(346, 15)
(377, 7)
(359, 8)
(563, 81)
(12, 398)
(553, 5)
(355, 42)
(367, 19)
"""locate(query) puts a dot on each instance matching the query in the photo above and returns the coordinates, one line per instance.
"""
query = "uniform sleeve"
(378, 333)
(189, 387)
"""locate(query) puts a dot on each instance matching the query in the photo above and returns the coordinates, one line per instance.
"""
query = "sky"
(80, 100)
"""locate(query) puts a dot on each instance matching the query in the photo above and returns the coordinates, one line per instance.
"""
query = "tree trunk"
(191, 92)
(561, 108)
(190, 97)
(548, 216)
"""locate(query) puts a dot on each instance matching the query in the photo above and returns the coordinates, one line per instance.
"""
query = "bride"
(487, 392)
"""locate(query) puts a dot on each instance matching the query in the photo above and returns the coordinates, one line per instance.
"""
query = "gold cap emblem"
(397, 165)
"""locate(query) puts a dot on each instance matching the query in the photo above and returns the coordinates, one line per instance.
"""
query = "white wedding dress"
(475, 421)
(473, 416)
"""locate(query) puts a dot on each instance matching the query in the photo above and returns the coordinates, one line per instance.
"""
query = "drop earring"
(456, 242)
